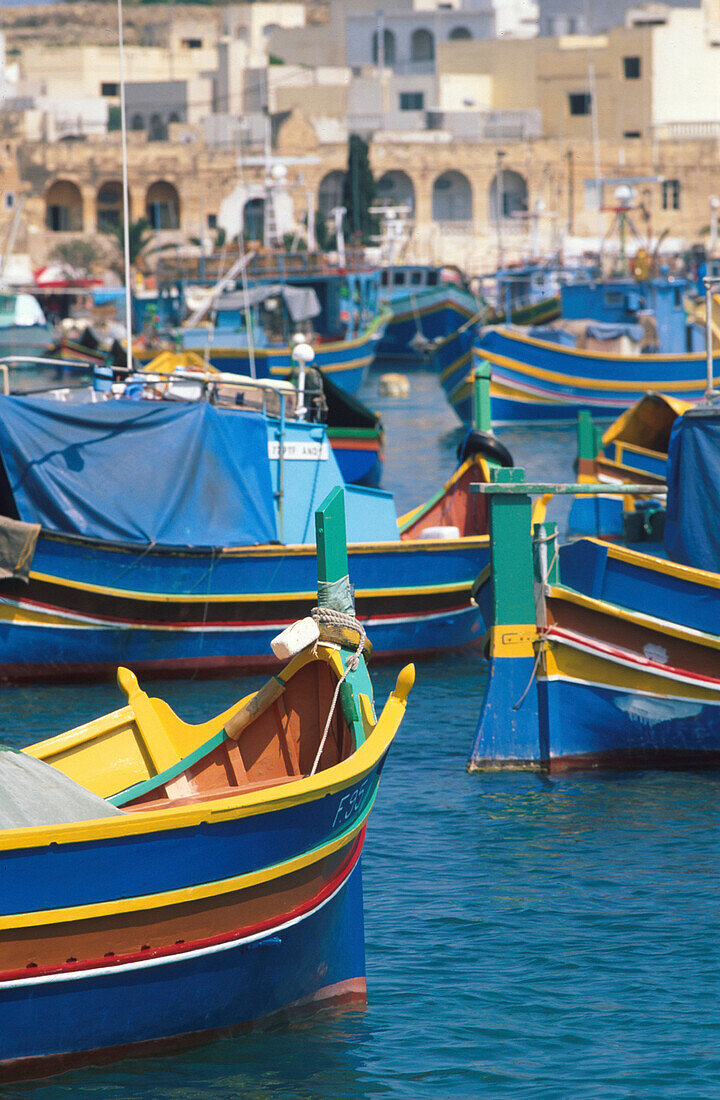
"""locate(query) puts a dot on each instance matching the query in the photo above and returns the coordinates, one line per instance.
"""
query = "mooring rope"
(337, 618)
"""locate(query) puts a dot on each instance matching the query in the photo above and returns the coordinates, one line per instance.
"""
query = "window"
(192, 43)
(212, 221)
(671, 195)
(416, 278)
(399, 278)
(412, 101)
(9, 200)
(631, 134)
(580, 103)
(109, 89)
(631, 68)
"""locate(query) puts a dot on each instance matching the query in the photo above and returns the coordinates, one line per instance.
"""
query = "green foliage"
(79, 252)
(273, 59)
(289, 240)
(359, 192)
(220, 238)
(114, 120)
(139, 233)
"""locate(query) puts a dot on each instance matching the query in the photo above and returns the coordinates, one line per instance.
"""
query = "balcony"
(487, 126)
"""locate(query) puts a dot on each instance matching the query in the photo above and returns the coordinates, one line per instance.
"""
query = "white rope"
(337, 618)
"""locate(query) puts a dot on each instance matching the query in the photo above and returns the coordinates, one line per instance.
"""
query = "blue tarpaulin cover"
(174, 474)
(692, 530)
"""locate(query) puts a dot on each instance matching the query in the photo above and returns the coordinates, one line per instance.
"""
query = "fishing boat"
(24, 329)
(600, 654)
(176, 535)
(633, 448)
(524, 295)
(428, 305)
(537, 380)
(338, 312)
(355, 433)
(166, 884)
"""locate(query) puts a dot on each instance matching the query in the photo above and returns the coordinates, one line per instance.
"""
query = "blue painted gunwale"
(412, 596)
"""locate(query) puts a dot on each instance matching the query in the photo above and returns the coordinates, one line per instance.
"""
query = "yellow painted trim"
(637, 618)
(582, 383)
(415, 513)
(143, 902)
(574, 664)
(659, 565)
(236, 806)
(274, 597)
(695, 356)
(513, 641)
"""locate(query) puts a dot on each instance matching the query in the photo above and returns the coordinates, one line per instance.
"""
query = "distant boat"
(428, 305)
(166, 884)
(24, 329)
(338, 312)
(536, 380)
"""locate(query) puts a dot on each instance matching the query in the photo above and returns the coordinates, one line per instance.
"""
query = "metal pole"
(126, 205)
(709, 284)
(500, 202)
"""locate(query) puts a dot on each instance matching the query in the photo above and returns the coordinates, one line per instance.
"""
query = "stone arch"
(64, 207)
(452, 198)
(422, 45)
(162, 205)
(514, 190)
(390, 47)
(459, 34)
(254, 220)
(396, 189)
(330, 192)
(109, 206)
(138, 122)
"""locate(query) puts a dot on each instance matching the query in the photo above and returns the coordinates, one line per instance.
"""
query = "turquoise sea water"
(527, 937)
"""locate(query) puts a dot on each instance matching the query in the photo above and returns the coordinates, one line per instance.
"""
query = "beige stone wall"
(555, 173)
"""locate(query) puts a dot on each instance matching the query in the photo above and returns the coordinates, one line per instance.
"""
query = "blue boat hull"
(90, 605)
(73, 1019)
(534, 380)
(431, 315)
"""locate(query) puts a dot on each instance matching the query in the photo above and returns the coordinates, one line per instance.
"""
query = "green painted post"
(331, 537)
(511, 554)
(586, 436)
(483, 418)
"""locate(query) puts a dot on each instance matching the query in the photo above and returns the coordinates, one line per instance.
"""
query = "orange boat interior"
(278, 745)
(456, 506)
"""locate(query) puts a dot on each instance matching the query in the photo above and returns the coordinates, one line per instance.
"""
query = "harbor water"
(527, 936)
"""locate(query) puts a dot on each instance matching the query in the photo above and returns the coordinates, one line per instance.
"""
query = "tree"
(81, 253)
(359, 191)
(139, 233)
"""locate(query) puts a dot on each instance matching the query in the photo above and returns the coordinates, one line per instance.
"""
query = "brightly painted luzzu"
(175, 883)
(535, 380)
(253, 330)
(176, 536)
(600, 654)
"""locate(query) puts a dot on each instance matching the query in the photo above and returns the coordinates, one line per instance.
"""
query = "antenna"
(126, 205)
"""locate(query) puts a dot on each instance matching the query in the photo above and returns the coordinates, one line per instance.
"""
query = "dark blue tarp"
(175, 474)
(692, 526)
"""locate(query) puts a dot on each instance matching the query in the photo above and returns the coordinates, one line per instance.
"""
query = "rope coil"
(337, 618)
